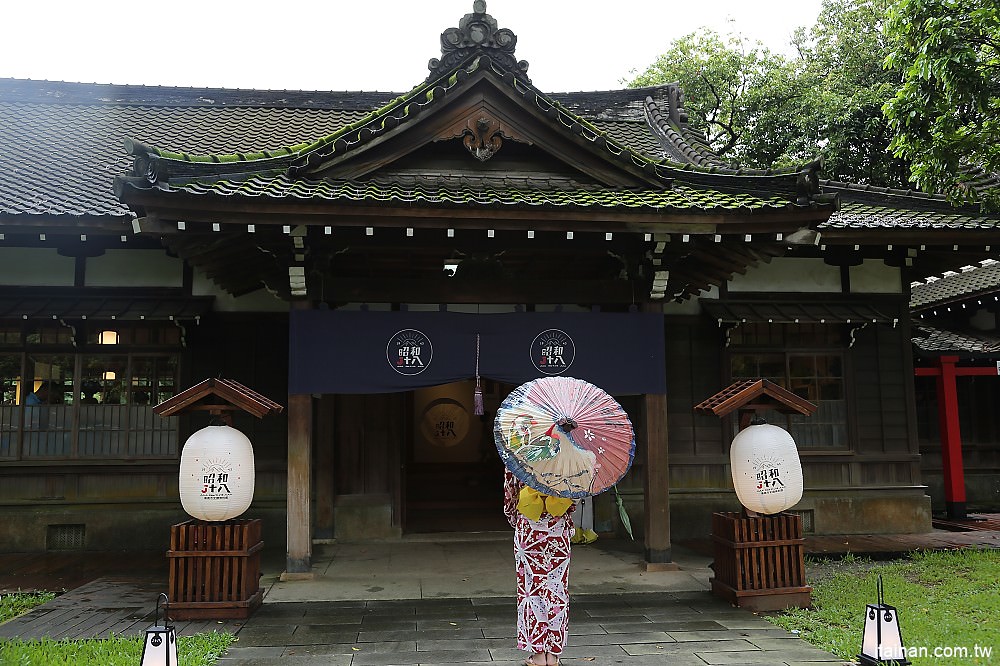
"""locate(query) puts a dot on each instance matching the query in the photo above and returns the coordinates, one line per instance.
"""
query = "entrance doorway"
(453, 476)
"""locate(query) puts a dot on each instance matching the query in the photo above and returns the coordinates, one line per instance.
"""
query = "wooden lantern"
(759, 559)
(215, 565)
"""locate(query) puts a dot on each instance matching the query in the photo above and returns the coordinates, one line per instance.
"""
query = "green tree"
(845, 84)
(729, 85)
(946, 115)
(759, 108)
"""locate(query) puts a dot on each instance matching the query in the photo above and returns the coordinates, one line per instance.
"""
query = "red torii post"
(951, 433)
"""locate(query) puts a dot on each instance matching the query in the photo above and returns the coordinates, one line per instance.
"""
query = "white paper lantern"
(767, 473)
(217, 473)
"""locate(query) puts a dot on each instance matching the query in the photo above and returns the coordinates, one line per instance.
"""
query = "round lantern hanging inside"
(217, 473)
(767, 473)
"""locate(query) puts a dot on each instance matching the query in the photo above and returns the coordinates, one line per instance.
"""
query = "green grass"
(947, 600)
(18, 603)
(198, 650)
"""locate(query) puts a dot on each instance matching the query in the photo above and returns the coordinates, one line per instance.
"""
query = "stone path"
(682, 629)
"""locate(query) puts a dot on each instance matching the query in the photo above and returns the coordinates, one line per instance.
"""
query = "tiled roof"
(61, 159)
(463, 190)
(953, 287)
(632, 133)
(932, 341)
(61, 144)
(855, 215)
(862, 206)
(680, 142)
(781, 312)
(869, 207)
(170, 172)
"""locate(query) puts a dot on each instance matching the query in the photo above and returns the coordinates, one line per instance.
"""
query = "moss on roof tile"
(455, 192)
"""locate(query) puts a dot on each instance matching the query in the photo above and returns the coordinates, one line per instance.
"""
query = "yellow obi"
(532, 503)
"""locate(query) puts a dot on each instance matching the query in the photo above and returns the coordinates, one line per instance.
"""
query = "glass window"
(48, 408)
(10, 399)
(88, 405)
(49, 333)
(817, 376)
(10, 335)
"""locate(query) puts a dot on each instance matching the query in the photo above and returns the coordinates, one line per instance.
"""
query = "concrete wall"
(136, 526)
(982, 490)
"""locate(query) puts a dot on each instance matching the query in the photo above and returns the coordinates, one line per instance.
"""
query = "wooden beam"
(952, 468)
(975, 371)
(456, 290)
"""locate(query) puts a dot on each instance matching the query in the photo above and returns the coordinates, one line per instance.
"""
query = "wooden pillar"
(951, 438)
(299, 559)
(657, 485)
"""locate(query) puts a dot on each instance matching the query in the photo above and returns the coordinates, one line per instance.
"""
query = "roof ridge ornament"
(477, 31)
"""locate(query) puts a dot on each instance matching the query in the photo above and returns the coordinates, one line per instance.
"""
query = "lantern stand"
(160, 645)
(759, 559)
(214, 566)
(882, 642)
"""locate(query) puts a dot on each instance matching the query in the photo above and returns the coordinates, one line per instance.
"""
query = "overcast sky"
(368, 45)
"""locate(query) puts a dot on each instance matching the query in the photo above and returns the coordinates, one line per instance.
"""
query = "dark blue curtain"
(333, 351)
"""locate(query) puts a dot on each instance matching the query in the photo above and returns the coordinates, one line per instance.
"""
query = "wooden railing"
(85, 431)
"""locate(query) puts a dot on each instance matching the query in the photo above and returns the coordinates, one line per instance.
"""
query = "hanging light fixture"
(108, 337)
(160, 646)
(883, 641)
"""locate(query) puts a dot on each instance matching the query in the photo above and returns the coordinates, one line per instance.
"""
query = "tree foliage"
(946, 114)
(840, 68)
(759, 108)
(729, 86)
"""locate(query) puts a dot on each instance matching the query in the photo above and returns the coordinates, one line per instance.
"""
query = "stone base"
(363, 518)
(660, 566)
(294, 575)
(847, 511)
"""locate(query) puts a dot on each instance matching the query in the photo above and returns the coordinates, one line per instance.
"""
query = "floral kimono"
(541, 562)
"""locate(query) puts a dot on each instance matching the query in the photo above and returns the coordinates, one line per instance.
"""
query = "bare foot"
(551, 659)
(537, 659)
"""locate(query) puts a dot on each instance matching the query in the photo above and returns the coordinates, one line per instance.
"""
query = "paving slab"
(404, 603)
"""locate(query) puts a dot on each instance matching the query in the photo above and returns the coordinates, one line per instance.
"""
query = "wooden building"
(957, 384)
(368, 254)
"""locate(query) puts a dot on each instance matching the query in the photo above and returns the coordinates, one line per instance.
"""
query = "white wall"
(874, 277)
(134, 268)
(258, 301)
(789, 275)
(35, 267)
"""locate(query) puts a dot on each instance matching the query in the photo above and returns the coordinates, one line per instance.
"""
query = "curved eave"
(694, 156)
(157, 166)
(939, 342)
(245, 203)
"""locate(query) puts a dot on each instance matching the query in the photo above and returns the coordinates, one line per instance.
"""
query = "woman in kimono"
(542, 531)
